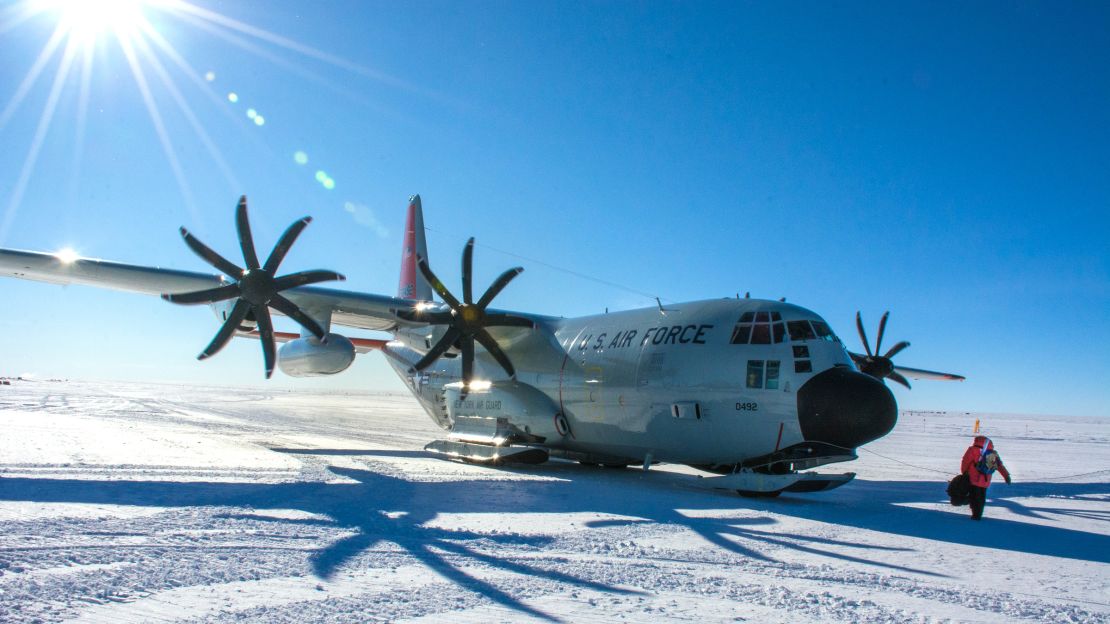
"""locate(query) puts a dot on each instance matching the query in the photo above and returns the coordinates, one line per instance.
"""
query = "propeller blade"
(303, 278)
(210, 295)
(225, 266)
(238, 313)
(918, 373)
(290, 309)
(467, 360)
(284, 243)
(862, 334)
(896, 349)
(507, 320)
(498, 285)
(882, 330)
(900, 379)
(266, 334)
(468, 271)
(494, 349)
(439, 349)
(246, 243)
(436, 284)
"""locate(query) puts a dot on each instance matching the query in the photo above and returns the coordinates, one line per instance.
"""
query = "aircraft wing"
(350, 309)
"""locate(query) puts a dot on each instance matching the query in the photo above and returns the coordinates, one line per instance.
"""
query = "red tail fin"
(413, 285)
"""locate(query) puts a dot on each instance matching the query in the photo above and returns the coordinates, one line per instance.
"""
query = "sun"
(88, 20)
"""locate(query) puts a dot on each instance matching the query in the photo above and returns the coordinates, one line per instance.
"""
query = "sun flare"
(88, 20)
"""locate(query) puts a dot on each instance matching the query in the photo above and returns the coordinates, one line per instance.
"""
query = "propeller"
(466, 320)
(255, 288)
(879, 366)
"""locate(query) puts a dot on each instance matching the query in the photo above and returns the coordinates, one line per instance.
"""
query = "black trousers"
(977, 499)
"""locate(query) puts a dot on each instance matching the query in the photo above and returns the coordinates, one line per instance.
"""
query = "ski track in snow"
(160, 503)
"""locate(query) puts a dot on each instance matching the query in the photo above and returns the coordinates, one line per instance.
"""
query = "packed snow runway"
(140, 503)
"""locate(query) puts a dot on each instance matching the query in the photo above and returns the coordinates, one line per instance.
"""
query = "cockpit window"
(747, 317)
(780, 331)
(823, 331)
(741, 333)
(800, 330)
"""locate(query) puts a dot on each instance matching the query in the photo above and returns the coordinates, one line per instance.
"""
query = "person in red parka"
(979, 463)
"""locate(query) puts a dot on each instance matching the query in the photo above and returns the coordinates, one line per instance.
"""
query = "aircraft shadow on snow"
(382, 508)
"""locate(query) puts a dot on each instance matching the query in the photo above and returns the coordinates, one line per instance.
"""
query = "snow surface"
(143, 503)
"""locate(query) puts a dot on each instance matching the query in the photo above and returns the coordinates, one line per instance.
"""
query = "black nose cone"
(846, 408)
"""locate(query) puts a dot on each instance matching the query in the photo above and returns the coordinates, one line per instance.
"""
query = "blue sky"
(946, 163)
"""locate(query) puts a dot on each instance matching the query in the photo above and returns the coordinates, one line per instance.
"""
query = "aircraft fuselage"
(714, 383)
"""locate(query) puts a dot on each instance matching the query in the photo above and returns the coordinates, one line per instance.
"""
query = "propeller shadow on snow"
(378, 509)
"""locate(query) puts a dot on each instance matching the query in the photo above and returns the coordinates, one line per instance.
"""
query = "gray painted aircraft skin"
(617, 383)
(747, 387)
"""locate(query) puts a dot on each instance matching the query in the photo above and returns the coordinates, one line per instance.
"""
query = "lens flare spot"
(233, 97)
(251, 113)
(210, 76)
(321, 176)
(300, 158)
(329, 184)
(259, 120)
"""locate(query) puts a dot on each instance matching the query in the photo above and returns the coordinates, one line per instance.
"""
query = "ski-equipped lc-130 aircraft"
(756, 391)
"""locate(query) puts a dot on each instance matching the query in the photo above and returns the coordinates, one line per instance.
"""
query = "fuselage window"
(800, 330)
(755, 373)
(772, 375)
(801, 351)
(757, 377)
(803, 366)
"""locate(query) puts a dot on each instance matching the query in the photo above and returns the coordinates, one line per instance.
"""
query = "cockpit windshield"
(759, 328)
(769, 328)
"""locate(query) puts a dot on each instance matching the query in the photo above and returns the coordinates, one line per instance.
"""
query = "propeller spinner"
(467, 320)
(256, 288)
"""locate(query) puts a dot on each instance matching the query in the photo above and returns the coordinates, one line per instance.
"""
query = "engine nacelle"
(309, 357)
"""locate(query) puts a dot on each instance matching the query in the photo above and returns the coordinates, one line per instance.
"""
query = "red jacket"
(971, 459)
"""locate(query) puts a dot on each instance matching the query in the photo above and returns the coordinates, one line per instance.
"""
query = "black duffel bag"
(959, 488)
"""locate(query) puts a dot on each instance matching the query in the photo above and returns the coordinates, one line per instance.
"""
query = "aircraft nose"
(845, 407)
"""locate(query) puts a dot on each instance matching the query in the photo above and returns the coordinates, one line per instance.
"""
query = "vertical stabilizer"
(413, 285)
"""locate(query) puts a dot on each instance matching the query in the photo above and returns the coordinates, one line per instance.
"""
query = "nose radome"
(846, 408)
